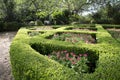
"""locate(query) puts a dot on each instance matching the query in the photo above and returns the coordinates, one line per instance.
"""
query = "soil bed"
(74, 37)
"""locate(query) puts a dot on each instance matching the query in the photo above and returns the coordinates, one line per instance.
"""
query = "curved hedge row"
(28, 64)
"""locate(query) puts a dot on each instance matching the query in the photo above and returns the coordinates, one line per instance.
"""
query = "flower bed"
(86, 29)
(34, 33)
(80, 63)
(74, 37)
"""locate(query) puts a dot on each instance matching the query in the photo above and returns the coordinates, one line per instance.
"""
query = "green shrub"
(60, 17)
(23, 58)
(43, 68)
(111, 26)
(11, 26)
(39, 23)
(74, 18)
(26, 51)
(42, 16)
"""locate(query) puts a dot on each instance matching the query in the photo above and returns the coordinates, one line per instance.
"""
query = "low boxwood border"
(27, 64)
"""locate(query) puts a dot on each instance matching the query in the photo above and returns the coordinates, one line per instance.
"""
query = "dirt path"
(5, 68)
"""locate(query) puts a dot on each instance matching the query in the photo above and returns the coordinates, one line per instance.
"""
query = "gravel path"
(5, 68)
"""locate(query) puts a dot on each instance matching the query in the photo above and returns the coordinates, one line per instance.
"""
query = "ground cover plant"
(61, 60)
(80, 63)
(74, 37)
(71, 60)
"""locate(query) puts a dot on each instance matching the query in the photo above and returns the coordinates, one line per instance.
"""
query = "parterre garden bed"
(43, 28)
(82, 28)
(115, 33)
(74, 52)
(74, 37)
(114, 30)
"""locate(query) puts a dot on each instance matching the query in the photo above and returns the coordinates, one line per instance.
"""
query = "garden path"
(5, 68)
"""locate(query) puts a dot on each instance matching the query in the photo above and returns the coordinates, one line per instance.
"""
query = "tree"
(76, 5)
(8, 9)
(109, 13)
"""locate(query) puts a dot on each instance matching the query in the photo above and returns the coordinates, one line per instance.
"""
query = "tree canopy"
(27, 10)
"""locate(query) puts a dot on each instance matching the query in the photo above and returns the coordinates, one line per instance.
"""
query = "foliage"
(71, 60)
(9, 12)
(74, 37)
(42, 16)
(104, 54)
(25, 11)
(108, 15)
(39, 23)
(114, 31)
(1, 26)
(10, 26)
(43, 68)
(61, 17)
(74, 18)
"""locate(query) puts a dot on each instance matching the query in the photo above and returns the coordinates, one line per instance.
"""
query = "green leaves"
(30, 64)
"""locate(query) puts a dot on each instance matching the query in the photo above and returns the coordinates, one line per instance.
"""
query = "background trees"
(59, 11)
(51, 10)
(7, 10)
(108, 14)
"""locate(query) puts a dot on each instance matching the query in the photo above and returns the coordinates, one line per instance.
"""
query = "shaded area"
(115, 33)
(5, 68)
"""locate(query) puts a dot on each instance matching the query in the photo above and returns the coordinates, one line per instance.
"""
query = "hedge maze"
(68, 52)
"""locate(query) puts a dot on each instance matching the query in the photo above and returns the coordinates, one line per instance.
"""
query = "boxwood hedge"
(29, 63)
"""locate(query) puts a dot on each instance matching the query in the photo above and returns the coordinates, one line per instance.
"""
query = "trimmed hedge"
(10, 26)
(28, 63)
(110, 26)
